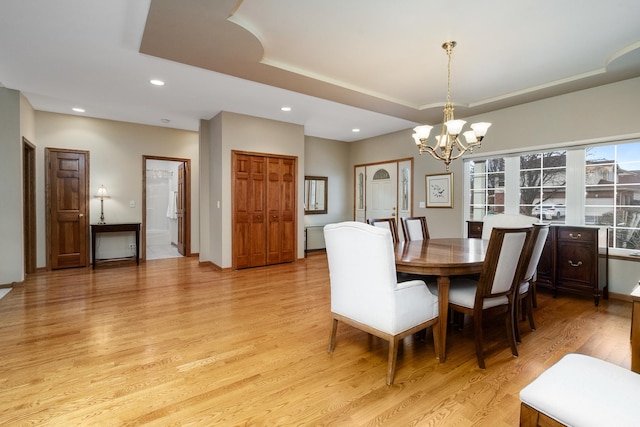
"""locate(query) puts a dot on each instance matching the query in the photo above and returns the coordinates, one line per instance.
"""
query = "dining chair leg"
(511, 334)
(435, 328)
(393, 357)
(529, 307)
(477, 332)
(332, 338)
(516, 327)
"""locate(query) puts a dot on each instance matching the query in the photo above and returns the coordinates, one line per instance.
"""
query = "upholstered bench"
(581, 390)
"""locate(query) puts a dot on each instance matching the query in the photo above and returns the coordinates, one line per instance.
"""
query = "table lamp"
(102, 194)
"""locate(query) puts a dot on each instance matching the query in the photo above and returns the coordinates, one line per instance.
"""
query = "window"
(487, 178)
(612, 192)
(543, 181)
(594, 185)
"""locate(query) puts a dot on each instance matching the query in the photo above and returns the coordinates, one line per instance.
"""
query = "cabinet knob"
(575, 264)
(575, 236)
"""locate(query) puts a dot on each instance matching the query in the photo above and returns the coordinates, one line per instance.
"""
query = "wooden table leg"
(443, 313)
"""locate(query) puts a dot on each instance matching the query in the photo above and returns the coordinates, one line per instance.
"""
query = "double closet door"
(264, 209)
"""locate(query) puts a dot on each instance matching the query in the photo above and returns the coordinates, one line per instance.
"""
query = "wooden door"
(281, 210)
(249, 211)
(67, 208)
(181, 204)
(264, 210)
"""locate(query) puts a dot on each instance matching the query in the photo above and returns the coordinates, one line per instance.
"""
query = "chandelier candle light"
(451, 129)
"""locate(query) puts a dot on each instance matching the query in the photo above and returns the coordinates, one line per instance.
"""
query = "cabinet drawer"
(474, 229)
(577, 234)
(576, 262)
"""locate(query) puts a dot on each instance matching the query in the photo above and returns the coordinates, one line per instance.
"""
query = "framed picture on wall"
(439, 188)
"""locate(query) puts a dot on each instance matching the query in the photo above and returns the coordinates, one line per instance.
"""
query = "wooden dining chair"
(524, 297)
(415, 228)
(502, 271)
(505, 220)
(389, 224)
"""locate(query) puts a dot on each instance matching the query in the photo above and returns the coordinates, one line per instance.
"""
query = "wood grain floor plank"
(172, 342)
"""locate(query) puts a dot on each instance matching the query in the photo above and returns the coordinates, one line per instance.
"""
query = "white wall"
(230, 131)
(115, 160)
(11, 225)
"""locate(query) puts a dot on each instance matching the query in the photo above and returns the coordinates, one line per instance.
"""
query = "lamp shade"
(470, 136)
(102, 192)
(454, 127)
(423, 131)
(480, 129)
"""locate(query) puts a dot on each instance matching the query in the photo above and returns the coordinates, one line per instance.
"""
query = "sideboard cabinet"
(577, 261)
(569, 261)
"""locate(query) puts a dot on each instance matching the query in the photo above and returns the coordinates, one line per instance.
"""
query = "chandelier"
(443, 149)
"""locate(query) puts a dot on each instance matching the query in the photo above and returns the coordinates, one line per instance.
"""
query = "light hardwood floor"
(174, 343)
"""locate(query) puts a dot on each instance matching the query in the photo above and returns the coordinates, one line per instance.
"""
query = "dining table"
(442, 258)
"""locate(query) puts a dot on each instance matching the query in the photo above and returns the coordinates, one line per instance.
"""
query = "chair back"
(362, 272)
(505, 263)
(538, 239)
(389, 224)
(505, 221)
(415, 228)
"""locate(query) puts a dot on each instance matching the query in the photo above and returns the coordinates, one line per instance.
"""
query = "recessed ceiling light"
(286, 108)
(165, 120)
(355, 130)
(78, 110)
(156, 82)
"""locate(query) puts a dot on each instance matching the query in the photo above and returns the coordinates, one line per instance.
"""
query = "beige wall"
(115, 153)
(325, 157)
(116, 161)
(230, 131)
(27, 119)
(603, 112)
(11, 229)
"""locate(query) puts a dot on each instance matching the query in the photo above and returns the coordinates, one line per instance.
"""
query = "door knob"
(80, 215)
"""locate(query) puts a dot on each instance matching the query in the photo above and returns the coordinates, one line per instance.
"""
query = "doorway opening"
(166, 208)
(29, 204)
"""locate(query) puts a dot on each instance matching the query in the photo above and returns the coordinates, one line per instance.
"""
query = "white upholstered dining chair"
(365, 293)
(502, 271)
(505, 221)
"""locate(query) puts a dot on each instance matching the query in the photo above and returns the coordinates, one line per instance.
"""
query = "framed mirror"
(315, 195)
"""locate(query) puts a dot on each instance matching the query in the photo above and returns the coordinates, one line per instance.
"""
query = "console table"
(114, 228)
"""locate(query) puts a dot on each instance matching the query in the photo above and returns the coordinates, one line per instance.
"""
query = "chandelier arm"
(458, 155)
(437, 156)
(461, 146)
(433, 153)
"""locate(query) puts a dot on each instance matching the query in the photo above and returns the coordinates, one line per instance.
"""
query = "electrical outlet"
(132, 246)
